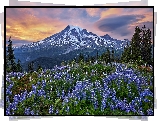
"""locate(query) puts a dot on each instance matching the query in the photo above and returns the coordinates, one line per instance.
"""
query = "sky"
(27, 25)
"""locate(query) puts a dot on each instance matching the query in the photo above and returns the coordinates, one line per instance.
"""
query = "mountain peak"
(75, 27)
(107, 35)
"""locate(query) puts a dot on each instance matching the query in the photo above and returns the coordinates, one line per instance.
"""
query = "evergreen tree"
(106, 56)
(39, 67)
(126, 55)
(11, 65)
(97, 55)
(30, 67)
(146, 47)
(81, 57)
(92, 59)
(19, 67)
(112, 55)
(74, 60)
(7, 64)
(140, 48)
(135, 45)
(88, 58)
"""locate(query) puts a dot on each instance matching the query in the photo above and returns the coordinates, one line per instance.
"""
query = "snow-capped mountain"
(74, 37)
(71, 39)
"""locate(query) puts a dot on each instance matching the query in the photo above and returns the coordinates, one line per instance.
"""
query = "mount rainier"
(67, 44)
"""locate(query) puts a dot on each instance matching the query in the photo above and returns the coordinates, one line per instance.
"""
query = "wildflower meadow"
(81, 89)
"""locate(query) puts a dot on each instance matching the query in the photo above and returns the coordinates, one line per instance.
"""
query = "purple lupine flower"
(103, 105)
(132, 108)
(13, 105)
(8, 110)
(93, 94)
(8, 92)
(66, 100)
(7, 99)
(43, 83)
(112, 107)
(84, 95)
(58, 94)
(38, 83)
(127, 108)
(150, 112)
(57, 112)
(30, 93)
(63, 93)
(41, 92)
(51, 109)
(24, 95)
(140, 111)
(27, 111)
(17, 98)
(78, 85)
(34, 87)
(146, 92)
(32, 112)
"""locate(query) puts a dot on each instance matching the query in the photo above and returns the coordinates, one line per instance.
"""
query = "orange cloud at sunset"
(122, 11)
(30, 27)
(111, 12)
(93, 11)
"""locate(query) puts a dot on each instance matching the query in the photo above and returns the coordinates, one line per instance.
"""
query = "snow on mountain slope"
(78, 29)
(69, 39)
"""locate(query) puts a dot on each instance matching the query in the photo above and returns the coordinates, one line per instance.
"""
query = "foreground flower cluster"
(81, 90)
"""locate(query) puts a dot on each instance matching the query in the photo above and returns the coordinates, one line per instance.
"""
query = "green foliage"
(81, 57)
(11, 65)
(39, 69)
(146, 47)
(19, 67)
(30, 67)
(122, 91)
(126, 54)
(112, 56)
(140, 48)
(106, 56)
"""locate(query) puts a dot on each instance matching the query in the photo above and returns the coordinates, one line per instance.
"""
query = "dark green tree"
(146, 46)
(112, 55)
(19, 67)
(7, 64)
(88, 58)
(126, 55)
(92, 59)
(39, 68)
(97, 55)
(81, 57)
(107, 57)
(135, 45)
(11, 65)
(140, 48)
(30, 67)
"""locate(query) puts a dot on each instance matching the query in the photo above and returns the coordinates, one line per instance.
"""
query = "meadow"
(81, 89)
